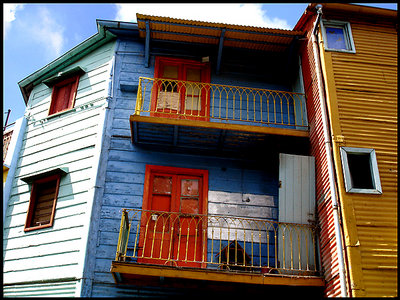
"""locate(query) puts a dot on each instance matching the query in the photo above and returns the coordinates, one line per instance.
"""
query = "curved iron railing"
(217, 242)
(216, 102)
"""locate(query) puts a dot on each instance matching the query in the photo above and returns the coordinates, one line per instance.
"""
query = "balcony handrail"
(204, 101)
(218, 242)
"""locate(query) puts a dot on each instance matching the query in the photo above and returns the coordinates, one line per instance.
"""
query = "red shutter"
(63, 96)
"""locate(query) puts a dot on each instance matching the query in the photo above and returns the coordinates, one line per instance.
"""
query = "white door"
(296, 243)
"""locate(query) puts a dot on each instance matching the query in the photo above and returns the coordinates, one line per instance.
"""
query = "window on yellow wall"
(337, 36)
(360, 170)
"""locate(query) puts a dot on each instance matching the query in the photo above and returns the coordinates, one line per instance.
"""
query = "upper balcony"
(207, 116)
(215, 248)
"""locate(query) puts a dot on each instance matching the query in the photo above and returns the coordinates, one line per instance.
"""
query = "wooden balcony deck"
(216, 249)
(185, 114)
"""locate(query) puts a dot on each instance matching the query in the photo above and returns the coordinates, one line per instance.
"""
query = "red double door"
(173, 228)
(180, 90)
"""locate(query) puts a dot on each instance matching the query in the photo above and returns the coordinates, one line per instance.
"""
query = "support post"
(221, 44)
(147, 45)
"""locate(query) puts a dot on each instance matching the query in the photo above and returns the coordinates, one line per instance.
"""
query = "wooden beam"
(147, 45)
(135, 133)
(213, 275)
(221, 139)
(221, 45)
(175, 141)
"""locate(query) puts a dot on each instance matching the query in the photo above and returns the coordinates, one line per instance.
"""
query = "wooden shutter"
(42, 203)
(63, 95)
(296, 205)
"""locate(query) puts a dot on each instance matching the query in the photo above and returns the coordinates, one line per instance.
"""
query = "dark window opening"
(360, 170)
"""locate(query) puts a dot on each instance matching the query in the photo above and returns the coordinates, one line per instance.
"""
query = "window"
(63, 95)
(360, 169)
(179, 92)
(337, 36)
(42, 203)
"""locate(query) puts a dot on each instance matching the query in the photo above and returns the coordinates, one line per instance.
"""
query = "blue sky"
(36, 34)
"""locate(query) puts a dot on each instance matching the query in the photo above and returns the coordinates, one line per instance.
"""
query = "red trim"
(167, 236)
(55, 97)
(33, 199)
(182, 64)
(174, 171)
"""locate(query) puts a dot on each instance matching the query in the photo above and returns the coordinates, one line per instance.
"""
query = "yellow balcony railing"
(218, 103)
(217, 242)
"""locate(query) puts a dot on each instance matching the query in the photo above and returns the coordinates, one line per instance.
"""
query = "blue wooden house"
(165, 157)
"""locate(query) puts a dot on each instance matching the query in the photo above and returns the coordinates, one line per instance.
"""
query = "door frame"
(175, 171)
(146, 206)
(182, 64)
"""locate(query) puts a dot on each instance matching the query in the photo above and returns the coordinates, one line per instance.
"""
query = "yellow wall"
(362, 102)
(5, 172)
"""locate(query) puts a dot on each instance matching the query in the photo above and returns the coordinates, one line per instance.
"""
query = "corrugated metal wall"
(366, 95)
(328, 250)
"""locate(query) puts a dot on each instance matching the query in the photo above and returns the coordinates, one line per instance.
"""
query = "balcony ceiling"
(213, 138)
(255, 38)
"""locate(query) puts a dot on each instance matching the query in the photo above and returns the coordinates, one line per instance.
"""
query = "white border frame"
(347, 31)
(374, 171)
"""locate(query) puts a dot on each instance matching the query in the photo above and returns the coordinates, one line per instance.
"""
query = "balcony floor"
(210, 136)
(128, 272)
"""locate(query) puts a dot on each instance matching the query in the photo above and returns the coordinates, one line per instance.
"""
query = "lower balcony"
(215, 248)
(213, 117)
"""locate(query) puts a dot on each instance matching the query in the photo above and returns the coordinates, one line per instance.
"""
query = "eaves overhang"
(95, 41)
(250, 37)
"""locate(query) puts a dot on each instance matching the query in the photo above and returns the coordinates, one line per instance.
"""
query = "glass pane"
(170, 72)
(193, 74)
(169, 86)
(193, 89)
(168, 100)
(192, 103)
(162, 185)
(189, 187)
(336, 38)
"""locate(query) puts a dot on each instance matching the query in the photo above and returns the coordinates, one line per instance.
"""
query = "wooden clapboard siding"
(67, 140)
(92, 85)
(363, 91)
(230, 180)
(53, 289)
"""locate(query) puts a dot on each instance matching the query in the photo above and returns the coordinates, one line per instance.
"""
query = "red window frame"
(36, 185)
(183, 65)
(64, 101)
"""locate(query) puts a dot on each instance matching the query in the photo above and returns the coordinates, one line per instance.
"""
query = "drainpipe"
(328, 149)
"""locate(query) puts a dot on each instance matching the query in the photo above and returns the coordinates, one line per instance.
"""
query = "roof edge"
(102, 36)
(143, 17)
(344, 7)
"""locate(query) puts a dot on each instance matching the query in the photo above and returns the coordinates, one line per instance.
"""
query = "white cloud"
(238, 14)
(9, 11)
(46, 32)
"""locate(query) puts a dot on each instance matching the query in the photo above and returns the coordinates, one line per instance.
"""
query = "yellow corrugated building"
(358, 49)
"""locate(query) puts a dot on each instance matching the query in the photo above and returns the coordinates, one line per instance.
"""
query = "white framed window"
(337, 36)
(360, 170)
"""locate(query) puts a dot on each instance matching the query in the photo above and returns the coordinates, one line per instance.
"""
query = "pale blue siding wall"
(125, 171)
(67, 140)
